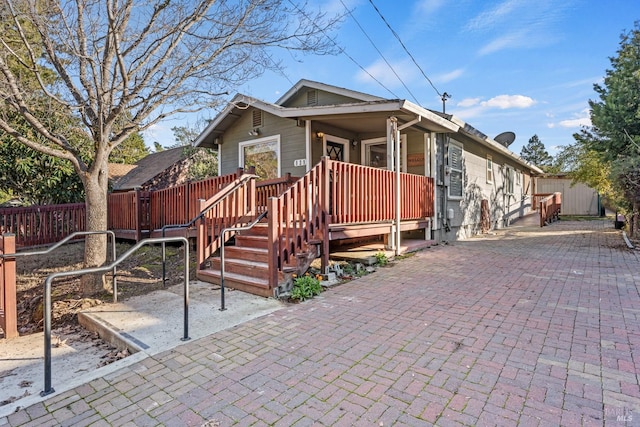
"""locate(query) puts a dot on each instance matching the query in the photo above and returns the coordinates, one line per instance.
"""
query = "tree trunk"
(95, 252)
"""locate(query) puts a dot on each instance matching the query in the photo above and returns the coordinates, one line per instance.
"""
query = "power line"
(344, 52)
(405, 48)
(379, 52)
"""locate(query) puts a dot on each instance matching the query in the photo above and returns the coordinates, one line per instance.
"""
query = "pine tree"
(535, 153)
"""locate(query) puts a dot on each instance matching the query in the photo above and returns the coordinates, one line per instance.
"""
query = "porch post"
(393, 159)
(396, 135)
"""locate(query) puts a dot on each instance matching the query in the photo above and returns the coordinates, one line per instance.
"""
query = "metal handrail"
(241, 181)
(47, 297)
(222, 233)
(70, 237)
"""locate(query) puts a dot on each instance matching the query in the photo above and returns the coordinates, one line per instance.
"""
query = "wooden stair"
(246, 265)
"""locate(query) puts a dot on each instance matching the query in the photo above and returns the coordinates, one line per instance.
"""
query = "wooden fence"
(8, 307)
(42, 225)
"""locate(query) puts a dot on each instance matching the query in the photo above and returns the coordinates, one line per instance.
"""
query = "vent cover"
(257, 119)
(312, 97)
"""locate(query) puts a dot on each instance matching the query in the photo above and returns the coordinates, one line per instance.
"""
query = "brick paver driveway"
(525, 327)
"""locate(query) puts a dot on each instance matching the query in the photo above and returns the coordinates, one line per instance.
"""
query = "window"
(456, 184)
(509, 180)
(374, 153)
(262, 153)
(489, 170)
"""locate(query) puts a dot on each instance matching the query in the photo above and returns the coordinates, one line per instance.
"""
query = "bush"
(305, 287)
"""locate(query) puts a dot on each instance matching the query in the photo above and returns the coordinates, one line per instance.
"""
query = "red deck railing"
(272, 188)
(233, 206)
(550, 205)
(366, 194)
(42, 225)
(339, 193)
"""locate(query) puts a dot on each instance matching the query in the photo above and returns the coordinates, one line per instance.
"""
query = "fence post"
(8, 301)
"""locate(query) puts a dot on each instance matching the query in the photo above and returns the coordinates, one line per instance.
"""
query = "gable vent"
(257, 118)
(312, 97)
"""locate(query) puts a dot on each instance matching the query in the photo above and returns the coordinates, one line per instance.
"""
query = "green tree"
(204, 161)
(613, 140)
(157, 147)
(148, 60)
(536, 154)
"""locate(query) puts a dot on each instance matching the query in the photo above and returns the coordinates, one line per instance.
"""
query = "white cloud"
(509, 101)
(575, 123)
(450, 76)
(507, 41)
(381, 71)
(491, 17)
(468, 102)
(429, 6)
(580, 119)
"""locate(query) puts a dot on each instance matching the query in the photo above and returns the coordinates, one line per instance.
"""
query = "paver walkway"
(525, 327)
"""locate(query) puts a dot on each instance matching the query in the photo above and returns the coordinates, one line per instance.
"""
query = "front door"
(336, 148)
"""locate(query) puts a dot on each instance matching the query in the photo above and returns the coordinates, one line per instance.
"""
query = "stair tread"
(237, 277)
(245, 262)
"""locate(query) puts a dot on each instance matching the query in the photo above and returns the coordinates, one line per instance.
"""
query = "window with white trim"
(456, 177)
(263, 154)
(509, 179)
(489, 170)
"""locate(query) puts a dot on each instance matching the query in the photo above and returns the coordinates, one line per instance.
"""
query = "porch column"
(393, 159)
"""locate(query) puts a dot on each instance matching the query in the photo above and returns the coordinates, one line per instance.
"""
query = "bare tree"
(139, 60)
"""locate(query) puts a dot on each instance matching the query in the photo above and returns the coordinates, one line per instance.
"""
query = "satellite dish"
(505, 138)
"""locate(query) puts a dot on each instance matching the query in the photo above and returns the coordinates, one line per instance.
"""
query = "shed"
(577, 199)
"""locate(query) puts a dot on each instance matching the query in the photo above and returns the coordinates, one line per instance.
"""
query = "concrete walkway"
(532, 326)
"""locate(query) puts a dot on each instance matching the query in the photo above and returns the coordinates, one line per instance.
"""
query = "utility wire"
(344, 52)
(405, 48)
(378, 50)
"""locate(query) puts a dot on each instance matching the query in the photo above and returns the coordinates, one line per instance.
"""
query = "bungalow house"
(369, 166)
(314, 119)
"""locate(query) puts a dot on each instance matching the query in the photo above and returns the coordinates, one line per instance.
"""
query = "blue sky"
(526, 66)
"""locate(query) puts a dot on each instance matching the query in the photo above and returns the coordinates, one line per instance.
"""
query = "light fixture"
(254, 132)
(319, 136)
(354, 142)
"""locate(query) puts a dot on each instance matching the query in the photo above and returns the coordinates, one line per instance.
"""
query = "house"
(313, 119)
(164, 169)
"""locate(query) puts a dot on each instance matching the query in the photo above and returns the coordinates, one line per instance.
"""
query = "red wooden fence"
(8, 310)
(42, 225)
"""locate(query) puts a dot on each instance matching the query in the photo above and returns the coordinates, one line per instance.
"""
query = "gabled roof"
(364, 105)
(310, 84)
(149, 167)
(118, 170)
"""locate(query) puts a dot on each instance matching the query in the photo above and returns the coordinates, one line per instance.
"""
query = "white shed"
(578, 199)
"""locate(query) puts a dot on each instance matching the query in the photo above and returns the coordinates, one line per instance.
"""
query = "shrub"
(305, 287)
(381, 259)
